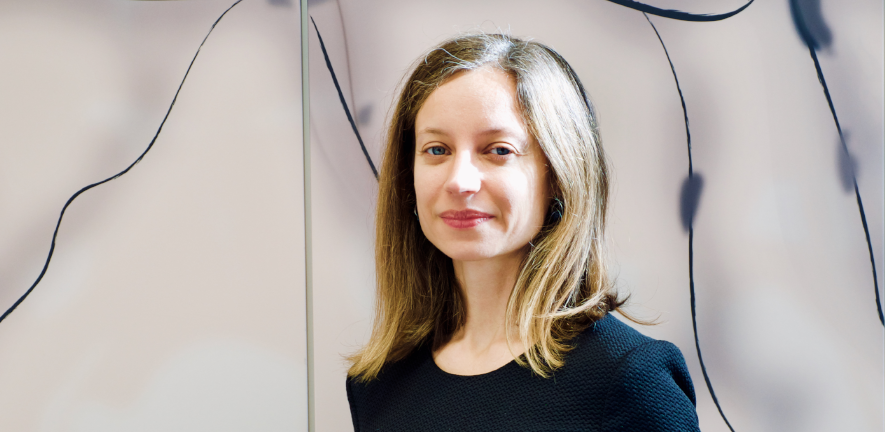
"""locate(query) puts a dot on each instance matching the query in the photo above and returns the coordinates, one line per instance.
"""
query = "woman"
(493, 295)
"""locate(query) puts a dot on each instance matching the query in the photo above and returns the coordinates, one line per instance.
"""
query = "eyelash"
(494, 151)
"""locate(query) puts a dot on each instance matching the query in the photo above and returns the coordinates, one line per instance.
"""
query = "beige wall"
(175, 298)
(786, 311)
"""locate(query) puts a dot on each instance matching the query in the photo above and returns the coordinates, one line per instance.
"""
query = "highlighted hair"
(564, 284)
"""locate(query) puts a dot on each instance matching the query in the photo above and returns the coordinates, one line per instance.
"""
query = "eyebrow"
(432, 131)
(491, 131)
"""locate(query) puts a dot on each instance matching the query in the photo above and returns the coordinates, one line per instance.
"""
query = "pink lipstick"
(464, 218)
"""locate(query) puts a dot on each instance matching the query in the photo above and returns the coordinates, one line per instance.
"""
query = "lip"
(464, 218)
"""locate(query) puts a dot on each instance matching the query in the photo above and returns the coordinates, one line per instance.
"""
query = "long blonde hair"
(564, 284)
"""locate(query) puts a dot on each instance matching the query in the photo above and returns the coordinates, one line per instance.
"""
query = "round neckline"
(592, 327)
(457, 376)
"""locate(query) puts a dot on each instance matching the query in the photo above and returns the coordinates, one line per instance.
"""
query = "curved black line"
(694, 321)
(863, 216)
(679, 15)
(344, 102)
(71, 199)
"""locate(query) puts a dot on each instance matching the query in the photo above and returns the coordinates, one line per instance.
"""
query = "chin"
(465, 254)
(469, 250)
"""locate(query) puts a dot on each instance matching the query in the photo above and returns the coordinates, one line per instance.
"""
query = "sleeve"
(351, 399)
(651, 391)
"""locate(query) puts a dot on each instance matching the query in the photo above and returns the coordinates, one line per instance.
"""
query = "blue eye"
(437, 151)
(501, 151)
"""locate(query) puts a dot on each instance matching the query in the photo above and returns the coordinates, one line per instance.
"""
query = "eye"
(436, 151)
(501, 151)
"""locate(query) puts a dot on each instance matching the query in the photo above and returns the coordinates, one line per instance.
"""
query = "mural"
(718, 221)
(192, 294)
(174, 297)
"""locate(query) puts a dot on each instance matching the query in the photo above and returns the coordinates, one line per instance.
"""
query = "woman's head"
(526, 99)
(480, 179)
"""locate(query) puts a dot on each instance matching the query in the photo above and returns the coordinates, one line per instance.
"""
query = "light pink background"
(175, 299)
(786, 312)
(176, 296)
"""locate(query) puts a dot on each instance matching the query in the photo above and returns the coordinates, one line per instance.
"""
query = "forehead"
(472, 102)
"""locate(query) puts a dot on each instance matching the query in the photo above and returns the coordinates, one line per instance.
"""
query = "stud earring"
(416, 213)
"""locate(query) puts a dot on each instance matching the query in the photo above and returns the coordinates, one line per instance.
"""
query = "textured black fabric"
(615, 379)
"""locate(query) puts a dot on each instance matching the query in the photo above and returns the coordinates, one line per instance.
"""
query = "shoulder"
(647, 384)
(371, 396)
(610, 338)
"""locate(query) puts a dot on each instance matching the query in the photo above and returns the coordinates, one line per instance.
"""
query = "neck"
(486, 287)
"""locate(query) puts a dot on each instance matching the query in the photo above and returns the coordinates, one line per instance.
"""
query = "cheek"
(542, 191)
(426, 186)
(537, 205)
(524, 198)
(536, 200)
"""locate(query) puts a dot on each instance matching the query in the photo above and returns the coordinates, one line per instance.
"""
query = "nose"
(464, 176)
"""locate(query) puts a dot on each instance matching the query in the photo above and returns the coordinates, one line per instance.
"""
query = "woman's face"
(480, 178)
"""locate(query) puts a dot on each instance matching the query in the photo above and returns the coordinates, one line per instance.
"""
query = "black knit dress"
(615, 379)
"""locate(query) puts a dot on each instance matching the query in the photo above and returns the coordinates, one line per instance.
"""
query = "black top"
(615, 379)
